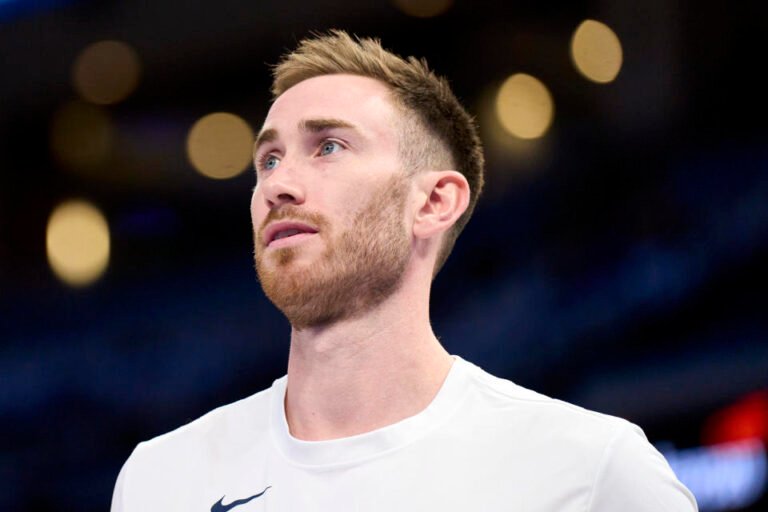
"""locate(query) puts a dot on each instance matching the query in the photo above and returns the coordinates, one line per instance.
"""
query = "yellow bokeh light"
(510, 159)
(423, 8)
(81, 135)
(596, 51)
(524, 106)
(106, 72)
(219, 145)
(77, 243)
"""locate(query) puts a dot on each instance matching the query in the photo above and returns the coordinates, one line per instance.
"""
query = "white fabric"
(483, 444)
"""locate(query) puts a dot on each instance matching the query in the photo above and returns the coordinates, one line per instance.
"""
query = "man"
(367, 170)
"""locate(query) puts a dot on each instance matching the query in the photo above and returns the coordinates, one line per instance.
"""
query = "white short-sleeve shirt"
(483, 444)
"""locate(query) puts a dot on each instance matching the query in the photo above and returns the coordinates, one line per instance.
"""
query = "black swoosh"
(218, 507)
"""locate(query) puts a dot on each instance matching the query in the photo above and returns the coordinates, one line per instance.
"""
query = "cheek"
(257, 208)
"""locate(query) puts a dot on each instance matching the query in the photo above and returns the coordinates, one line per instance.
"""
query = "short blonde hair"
(446, 135)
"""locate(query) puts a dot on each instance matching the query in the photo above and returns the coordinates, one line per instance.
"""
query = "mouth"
(281, 234)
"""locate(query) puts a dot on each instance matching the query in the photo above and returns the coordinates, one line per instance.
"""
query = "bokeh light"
(77, 243)
(524, 106)
(746, 419)
(220, 145)
(423, 8)
(81, 135)
(510, 160)
(106, 72)
(596, 51)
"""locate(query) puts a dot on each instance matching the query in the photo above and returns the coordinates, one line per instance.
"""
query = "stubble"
(359, 269)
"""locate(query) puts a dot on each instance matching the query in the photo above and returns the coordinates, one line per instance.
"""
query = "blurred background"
(614, 260)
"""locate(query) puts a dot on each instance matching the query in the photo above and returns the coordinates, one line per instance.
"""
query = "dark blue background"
(622, 270)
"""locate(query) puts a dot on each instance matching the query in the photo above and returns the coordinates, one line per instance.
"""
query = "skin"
(357, 374)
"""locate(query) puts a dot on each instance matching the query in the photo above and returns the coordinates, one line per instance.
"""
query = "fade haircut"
(436, 132)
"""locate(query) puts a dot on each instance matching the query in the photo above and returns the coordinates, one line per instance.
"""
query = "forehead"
(361, 101)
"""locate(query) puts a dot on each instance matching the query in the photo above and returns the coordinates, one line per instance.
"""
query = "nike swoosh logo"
(220, 507)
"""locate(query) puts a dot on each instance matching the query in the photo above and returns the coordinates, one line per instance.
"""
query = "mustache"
(297, 214)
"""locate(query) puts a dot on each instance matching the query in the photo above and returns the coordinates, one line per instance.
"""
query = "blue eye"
(328, 147)
(270, 162)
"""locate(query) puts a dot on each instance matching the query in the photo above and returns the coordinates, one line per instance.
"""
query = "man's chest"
(423, 481)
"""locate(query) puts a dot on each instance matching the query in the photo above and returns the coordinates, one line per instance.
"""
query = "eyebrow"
(306, 125)
(320, 125)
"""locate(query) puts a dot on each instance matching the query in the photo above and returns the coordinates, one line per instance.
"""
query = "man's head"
(436, 132)
(353, 182)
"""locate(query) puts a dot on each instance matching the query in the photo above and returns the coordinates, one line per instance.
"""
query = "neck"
(361, 374)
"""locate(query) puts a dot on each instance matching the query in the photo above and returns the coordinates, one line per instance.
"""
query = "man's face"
(329, 206)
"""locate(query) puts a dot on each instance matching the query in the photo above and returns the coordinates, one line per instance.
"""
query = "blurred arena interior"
(614, 260)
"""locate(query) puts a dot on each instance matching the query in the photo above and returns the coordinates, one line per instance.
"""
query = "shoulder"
(620, 467)
(503, 400)
(184, 457)
(236, 421)
(549, 427)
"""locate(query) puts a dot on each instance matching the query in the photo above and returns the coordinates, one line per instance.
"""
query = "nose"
(281, 187)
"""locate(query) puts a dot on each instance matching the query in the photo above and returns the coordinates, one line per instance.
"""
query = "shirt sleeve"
(634, 477)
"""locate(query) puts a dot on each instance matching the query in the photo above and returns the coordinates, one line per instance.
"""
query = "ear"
(444, 197)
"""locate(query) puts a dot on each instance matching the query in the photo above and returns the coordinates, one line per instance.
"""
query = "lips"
(286, 229)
